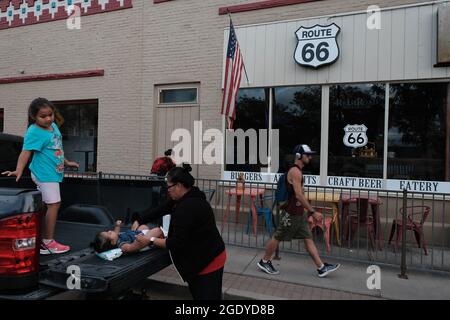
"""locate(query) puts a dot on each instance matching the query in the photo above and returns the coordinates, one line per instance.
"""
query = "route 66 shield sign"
(317, 45)
(355, 135)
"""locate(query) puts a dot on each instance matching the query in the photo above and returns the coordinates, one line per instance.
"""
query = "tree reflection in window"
(297, 114)
(418, 131)
(358, 104)
(252, 112)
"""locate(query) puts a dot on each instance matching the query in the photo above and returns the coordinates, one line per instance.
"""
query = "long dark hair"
(182, 175)
(36, 105)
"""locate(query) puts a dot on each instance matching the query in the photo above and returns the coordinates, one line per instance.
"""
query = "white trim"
(324, 131)
(269, 149)
(386, 132)
(222, 166)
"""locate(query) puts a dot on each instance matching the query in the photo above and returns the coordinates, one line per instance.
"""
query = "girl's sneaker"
(53, 248)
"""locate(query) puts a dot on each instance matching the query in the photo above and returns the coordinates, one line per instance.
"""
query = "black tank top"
(293, 206)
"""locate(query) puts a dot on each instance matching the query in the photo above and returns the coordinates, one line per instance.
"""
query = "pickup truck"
(90, 203)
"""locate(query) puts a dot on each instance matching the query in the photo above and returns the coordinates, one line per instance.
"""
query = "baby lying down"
(128, 241)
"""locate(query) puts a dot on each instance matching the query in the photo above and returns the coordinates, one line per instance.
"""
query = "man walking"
(294, 217)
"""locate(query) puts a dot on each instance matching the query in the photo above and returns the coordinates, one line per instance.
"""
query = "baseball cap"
(303, 149)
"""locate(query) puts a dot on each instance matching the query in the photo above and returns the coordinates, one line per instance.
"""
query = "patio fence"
(364, 225)
(420, 234)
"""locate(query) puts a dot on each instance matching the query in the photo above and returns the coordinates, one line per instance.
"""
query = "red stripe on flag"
(225, 83)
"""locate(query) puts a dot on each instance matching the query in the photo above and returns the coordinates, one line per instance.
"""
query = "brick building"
(136, 70)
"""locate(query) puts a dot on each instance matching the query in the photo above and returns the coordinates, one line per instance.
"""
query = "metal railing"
(420, 233)
(361, 223)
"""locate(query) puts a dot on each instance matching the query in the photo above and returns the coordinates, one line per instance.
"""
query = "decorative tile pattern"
(17, 13)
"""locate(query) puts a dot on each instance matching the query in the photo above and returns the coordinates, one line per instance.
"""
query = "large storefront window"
(78, 123)
(418, 131)
(356, 130)
(297, 116)
(252, 112)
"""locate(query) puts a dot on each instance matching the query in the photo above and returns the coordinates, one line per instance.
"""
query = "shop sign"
(431, 187)
(317, 45)
(264, 177)
(355, 135)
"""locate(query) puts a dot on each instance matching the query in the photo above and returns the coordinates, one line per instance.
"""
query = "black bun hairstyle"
(182, 175)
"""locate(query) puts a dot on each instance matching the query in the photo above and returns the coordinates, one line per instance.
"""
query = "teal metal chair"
(209, 193)
(265, 210)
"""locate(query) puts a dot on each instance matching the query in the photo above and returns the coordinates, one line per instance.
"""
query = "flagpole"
(243, 64)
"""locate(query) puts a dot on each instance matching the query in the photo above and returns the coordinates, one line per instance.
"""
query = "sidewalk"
(298, 280)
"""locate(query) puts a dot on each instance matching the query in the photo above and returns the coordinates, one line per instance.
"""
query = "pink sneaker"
(53, 248)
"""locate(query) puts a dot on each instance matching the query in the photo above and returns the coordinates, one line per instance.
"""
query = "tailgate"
(97, 275)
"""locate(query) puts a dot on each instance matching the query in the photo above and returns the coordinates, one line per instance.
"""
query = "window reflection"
(296, 113)
(362, 105)
(252, 112)
(78, 123)
(418, 132)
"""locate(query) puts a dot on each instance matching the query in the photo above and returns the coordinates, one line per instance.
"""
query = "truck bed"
(99, 277)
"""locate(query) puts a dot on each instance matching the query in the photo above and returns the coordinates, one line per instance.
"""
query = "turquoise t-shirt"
(48, 155)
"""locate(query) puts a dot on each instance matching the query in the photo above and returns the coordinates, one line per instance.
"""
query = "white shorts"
(49, 190)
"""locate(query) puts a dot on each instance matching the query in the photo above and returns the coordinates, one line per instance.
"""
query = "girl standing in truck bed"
(43, 140)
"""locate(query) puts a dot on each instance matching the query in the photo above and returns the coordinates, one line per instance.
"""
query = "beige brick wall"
(110, 41)
(150, 44)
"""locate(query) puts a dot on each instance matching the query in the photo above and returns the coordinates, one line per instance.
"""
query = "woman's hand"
(15, 173)
(140, 238)
(317, 216)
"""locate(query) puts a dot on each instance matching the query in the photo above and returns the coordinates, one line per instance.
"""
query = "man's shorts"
(49, 190)
(292, 227)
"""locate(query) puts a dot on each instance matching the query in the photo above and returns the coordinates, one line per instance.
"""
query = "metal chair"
(416, 217)
(325, 226)
(359, 218)
(209, 192)
(262, 210)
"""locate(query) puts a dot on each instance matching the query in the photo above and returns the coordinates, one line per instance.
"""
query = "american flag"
(232, 79)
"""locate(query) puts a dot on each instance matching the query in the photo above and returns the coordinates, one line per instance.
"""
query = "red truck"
(90, 203)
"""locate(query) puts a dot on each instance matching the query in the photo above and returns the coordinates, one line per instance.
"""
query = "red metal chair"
(358, 218)
(325, 226)
(416, 217)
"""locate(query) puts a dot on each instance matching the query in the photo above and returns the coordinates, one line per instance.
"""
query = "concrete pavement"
(298, 280)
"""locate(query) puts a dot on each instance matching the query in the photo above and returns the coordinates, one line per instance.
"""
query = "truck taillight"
(18, 252)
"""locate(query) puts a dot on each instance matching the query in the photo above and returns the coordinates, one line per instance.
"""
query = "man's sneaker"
(267, 267)
(53, 248)
(327, 269)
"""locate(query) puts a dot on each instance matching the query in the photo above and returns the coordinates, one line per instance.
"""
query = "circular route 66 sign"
(355, 135)
(317, 45)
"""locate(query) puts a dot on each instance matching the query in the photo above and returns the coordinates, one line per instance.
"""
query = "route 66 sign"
(317, 45)
(355, 135)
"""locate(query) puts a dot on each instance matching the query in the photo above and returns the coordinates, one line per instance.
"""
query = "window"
(10, 148)
(78, 123)
(252, 112)
(418, 131)
(178, 96)
(297, 115)
(2, 117)
(356, 130)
